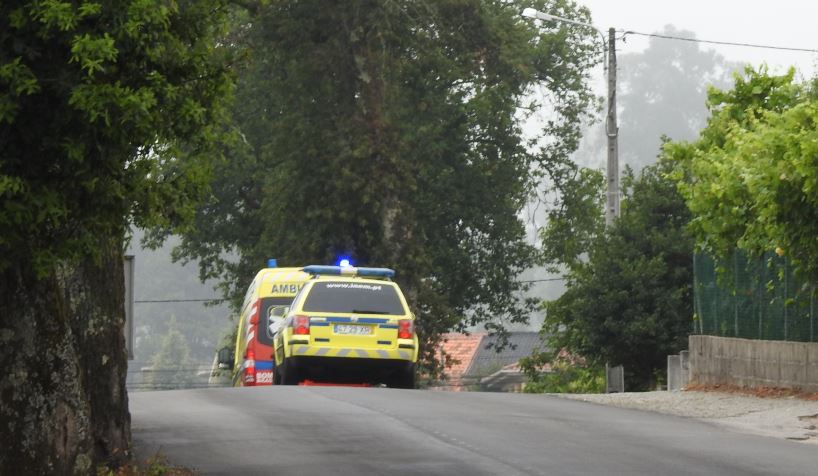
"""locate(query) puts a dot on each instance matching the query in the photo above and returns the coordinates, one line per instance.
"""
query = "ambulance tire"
(404, 378)
(289, 373)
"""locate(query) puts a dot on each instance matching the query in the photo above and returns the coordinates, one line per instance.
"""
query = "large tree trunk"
(97, 302)
(63, 406)
(44, 423)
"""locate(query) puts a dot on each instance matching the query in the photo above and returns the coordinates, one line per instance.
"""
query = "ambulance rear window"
(268, 322)
(354, 298)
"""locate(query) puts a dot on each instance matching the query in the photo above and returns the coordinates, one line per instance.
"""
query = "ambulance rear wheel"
(289, 373)
(404, 378)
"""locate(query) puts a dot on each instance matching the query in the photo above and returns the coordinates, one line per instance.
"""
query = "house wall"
(753, 363)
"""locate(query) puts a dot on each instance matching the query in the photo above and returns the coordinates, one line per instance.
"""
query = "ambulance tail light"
(250, 368)
(301, 325)
(406, 329)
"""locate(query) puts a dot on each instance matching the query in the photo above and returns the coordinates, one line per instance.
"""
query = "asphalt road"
(372, 431)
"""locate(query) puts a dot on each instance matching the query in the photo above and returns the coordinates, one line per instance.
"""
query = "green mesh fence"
(753, 299)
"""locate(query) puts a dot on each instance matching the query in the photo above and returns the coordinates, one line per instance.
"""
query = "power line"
(180, 369)
(712, 42)
(143, 301)
(179, 300)
(542, 280)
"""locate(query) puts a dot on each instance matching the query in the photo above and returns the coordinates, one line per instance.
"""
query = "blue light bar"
(376, 272)
(320, 269)
(272, 263)
(316, 269)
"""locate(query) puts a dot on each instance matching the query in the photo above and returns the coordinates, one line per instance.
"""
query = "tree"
(390, 131)
(201, 323)
(629, 298)
(750, 180)
(172, 366)
(559, 372)
(576, 223)
(661, 92)
(664, 90)
(108, 113)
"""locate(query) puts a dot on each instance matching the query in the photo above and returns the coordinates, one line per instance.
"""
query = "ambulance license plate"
(352, 329)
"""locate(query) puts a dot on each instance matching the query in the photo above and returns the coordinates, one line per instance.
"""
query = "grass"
(157, 465)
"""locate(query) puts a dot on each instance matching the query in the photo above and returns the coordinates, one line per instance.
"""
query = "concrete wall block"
(740, 363)
(723, 360)
(674, 372)
(708, 361)
(812, 368)
(769, 369)
(684, 363)
(735, 354)
(718, 353)
(696, 345)
(763, 369)
(793, 364)
(750, 357)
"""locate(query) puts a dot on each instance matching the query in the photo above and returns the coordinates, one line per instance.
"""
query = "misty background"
(662, 85)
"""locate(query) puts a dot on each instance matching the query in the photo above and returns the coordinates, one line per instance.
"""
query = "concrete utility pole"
(612, 131)
(611, 128)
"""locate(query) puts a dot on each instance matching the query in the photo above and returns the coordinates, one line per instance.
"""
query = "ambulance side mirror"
(226, 357)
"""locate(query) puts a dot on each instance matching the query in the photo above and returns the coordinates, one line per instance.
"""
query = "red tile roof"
(459, 350)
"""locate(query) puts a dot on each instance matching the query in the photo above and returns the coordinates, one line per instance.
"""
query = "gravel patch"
(788, 418)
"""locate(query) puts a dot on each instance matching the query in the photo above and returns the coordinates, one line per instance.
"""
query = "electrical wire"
(712, 42)
(148, 301)
(541, 280)
(141, 301)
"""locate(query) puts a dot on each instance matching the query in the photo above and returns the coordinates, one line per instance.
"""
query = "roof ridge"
(474, 354)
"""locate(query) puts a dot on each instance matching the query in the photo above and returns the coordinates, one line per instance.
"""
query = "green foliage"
(109, 113)
(629, 296)
(575, 225)
(750, 180)
(568, 378)
(172, 366)
(390, 131)
(563, 375)
(156, 465)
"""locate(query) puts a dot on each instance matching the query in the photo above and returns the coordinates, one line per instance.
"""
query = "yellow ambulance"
(265, 304)
(347, 325)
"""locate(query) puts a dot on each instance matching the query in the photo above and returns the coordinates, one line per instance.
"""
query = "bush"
(561, 373)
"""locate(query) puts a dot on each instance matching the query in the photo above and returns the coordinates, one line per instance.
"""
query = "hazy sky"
(789, 23)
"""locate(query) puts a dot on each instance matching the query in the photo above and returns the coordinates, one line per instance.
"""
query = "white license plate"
(353, 329)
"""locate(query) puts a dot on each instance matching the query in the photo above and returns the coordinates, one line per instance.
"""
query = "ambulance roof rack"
(317, 270)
